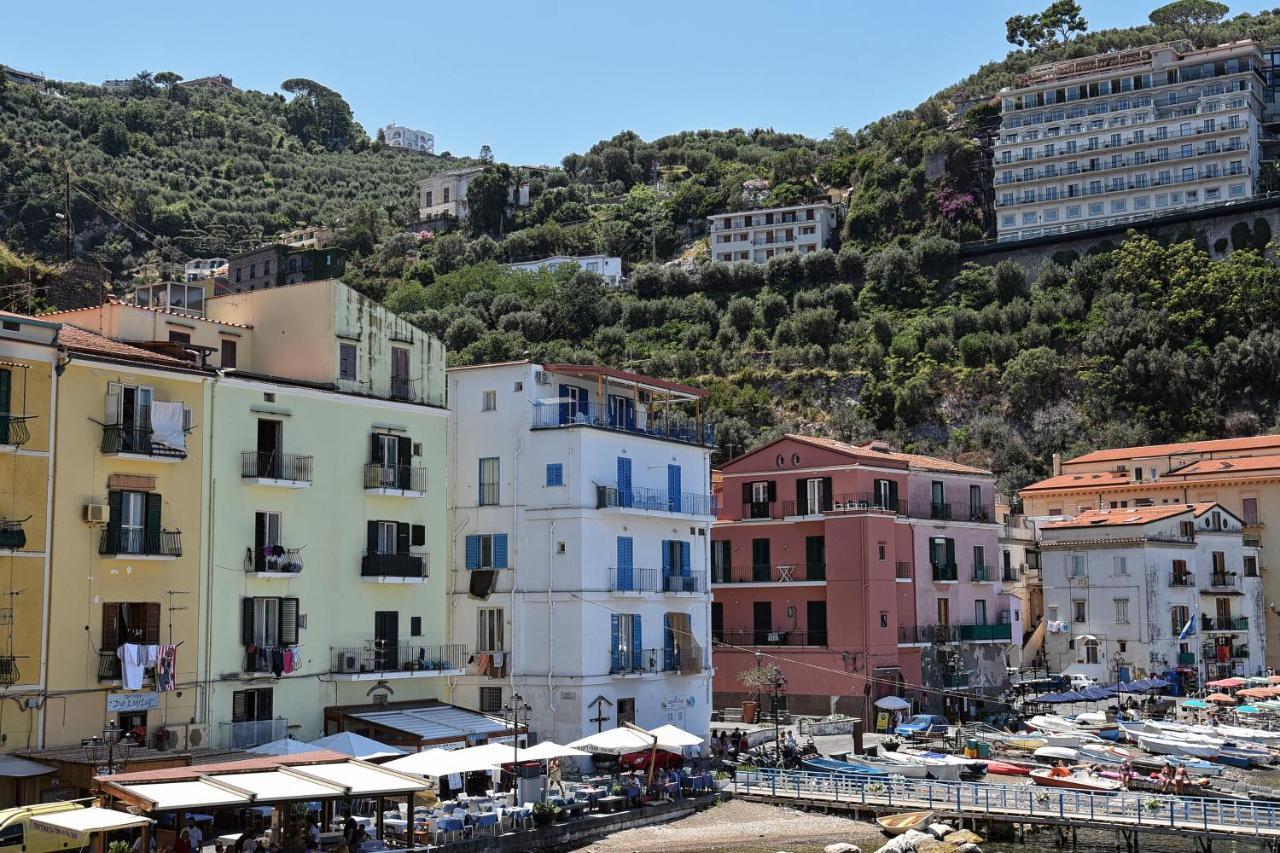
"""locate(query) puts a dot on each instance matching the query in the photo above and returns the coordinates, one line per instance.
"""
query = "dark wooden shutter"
(6, 383)
(802, 495)
(826, 494)
(152, 524)
(239, 706)
(372, 541)
(402, 537)
(151, 623)
(259, 538)
(246, 621)
(375, 449)
(773, 491)
(404, 449)
(263, 709)
(110, 627)
(746, 493)
(288, 621)
(419, 535)
(115, 509)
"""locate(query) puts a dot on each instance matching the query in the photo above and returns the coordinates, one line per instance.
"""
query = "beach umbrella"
(1157, 683)
(357, 746)
(1253, 693)
(1273, 679)
(439, 762)
(1194, 703)
(1259, 679)
(617, 741)
(284, 746)
(674, 739)
(1097, 694)
(547, 750)
(892, 703)
(1246, 709)
(1220, 698)
(1233, 681)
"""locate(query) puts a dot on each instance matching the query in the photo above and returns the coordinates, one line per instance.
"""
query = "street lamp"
(518, 709)
(100, 750)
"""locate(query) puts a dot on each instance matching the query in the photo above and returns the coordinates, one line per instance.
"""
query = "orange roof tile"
(91, 343)
(252, 763)
(1220, 445)
(1128, 516)
(1225, 467)
(1083, 480)
(914, 460)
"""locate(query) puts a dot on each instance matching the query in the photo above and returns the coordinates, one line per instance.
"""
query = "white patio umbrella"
(548, 750)
(674, 739)
(357, 746)
(893, 703)
(617, 741)
(439, 762)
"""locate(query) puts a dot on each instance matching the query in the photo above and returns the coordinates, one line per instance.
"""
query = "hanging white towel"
(166, 425)
(498, 659)
(132, 663)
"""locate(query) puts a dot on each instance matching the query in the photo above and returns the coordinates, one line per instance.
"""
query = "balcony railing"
(251, 733)
(401, 388)
(685, 659)
(773, 637)
(625, 661)
(692, 582)
(1232, 623)
(756, 510)
(765, 573)
(401, 477)
(275, 466)
(1182, 579)
(1250, 519)
(108, 665)
(956, 679)
(13, 429)
(398, 658)
(1010, 574)
(940, 511)
(857, 501)
(902, 571)
(941, 634)
(657, 500)
(661, 425)
(134, 542)
(12, 536)
(635, 580)
(1224, 581)
(274, 559)
(119, 438)
(945, 572)
(411, 564)
(982, 574)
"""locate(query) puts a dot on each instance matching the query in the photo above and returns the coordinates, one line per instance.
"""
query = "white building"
(445, 193)
(610, 268)
(199, 268)
(399, 136)
(309, 237)
(1167, 590)
(1126, 135)
(757, 235)
(581, 504)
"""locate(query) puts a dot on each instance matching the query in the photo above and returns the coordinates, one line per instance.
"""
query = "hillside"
(888, 335)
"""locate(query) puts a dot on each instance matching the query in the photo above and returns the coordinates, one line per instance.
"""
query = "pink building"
(861, 572)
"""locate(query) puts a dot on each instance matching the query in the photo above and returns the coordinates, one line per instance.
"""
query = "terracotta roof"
(1130, 515)
(1226, 467)
(90, 343)
(256, 763)
(181, 314)
(1083, 480)
(914, 460)
(1220, 445)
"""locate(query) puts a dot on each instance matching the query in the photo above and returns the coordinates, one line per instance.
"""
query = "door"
(815, 558)
(762, 621)
(980, 572)
(133, 522)
(386, 454)
(760, 561)
(944, 611)
(622, 412)
(813, 496)
(936, 499)
(626, 712)
(626, 572)
(674, 502)
(399, 372)
(980, 612)
(269, 443)
(266, 541)
(816, 622)
(721, 556)
(717, 621)
(134, 418)
(386, 639)
(1223, 606)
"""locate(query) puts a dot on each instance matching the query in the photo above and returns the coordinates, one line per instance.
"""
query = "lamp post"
(518, 709)
(100, 750)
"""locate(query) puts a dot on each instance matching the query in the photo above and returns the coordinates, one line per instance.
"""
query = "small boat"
(1105, 754)
(936, 768)
(830, 765)
(1056, 753)
(1131, 730)
(1009, 768)
(897, 824)
(1070, 739)
(1060, 777)
(1171, 746)
(970, 767)
(895, 764)
(1195, 766)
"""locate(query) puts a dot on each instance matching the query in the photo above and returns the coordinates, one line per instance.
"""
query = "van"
(17, 835)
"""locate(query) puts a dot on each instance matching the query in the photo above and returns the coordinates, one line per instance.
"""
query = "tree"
(486, 154)
(1059, 21)
(168, 79)
(487, 196)
(1192, 17)
(320, 115)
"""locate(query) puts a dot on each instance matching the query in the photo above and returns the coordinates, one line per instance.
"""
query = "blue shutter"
(637, 646)
(473, 551)
(626, 570)
(685, 559)
(615, 644)
(624, 481)
(666, 558)
(668, 643)
(555, 474)
(673, 488)
(564, 404)
(499, 550)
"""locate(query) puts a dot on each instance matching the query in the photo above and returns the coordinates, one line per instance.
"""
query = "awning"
(617, 741)
(361, 780)
(77, 823)
(358, 746)
(15, 767)
(440, 762)
(436, 723)
(674, 738)
(276, 785)
(196, 794)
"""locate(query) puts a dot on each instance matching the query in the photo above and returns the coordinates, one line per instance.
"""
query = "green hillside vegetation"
(887, 335)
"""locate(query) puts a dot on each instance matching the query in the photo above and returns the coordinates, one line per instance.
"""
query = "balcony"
(1011, 574)
(140, 544)
(13, 429)
(945, 572)
(396, 480)
(275, 469)
(935, 635)
(690, 584)
(403, 660)
(678, 428)
(1223, 582)
(1228, 623)
(983, 574)
(635, 580)
(625, 661)
(939, 511)
(855, 502)
(273, 561)
(760, 510)
(1182, 579)
(956, 679)
(108, 666)
(407, 567)
(401, 388)
(251, 733)
(764, 573)
(902, 571)
(12, 536)
(654, 500)
(773, 637)
(1250, 519)
(135, 441)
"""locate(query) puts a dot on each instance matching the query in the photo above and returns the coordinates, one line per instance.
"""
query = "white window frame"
(490, 627)
(489, 401)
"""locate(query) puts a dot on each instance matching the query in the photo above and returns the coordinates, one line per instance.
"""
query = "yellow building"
(28, 377)
(1242, 474)
(128, 491)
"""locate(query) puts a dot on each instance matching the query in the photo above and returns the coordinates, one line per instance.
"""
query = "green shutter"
(151, 534)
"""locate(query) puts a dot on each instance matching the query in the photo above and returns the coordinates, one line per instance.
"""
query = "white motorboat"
(1239, 733)
(1054, 754)
(1105, 754)
(1174, 746)
(1131, 730)
(1071, 740)
(895, 764)
(936, 768)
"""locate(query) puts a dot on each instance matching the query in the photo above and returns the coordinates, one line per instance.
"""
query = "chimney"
(1057, 464)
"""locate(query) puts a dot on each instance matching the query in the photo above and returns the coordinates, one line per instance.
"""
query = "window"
(487, 551)
(1120, 565)
(555, 473)
(347, 361)
(249, 706)
(415, 626)
(253, 270)
(882, 551)
(269, 622)
(1122, 610)
(490, 700)
(1079, 612)
(444, 195)
(489, 630)
(884, 618)
(1090, 651)
(428, 198)
(228, 359)
(179, 337)
(489, 491)
(1052, 612)
(1095, 208)
(1077, 569)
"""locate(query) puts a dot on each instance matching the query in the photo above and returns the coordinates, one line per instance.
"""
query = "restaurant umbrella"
(284, 746)
(1245, 709)
(1233, 681)
(1194, 703)
(548, 750)
(357, 746)
(674, 739)
(1220, 698)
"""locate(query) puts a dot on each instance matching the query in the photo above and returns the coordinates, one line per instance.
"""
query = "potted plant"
(544, 813)
(162, 739)
(119, 847)
(759, 679)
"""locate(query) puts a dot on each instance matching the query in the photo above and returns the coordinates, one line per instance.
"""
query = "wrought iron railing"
(250, 733)
(411, 564)
(765, 573)
(275, 466)
(658, 500)
(403, 477)
(12, 536)
(773, 637)
(398, 657)
(941, 634)
(401, 388)
(133, 541)
(634, 579)
(686, 430)
(119, 438)
(13, 429)
(692, 582)
(945, 571)
(274, 558)
(902, 571)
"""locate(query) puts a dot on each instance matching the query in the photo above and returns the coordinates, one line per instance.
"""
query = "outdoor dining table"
(450, 825)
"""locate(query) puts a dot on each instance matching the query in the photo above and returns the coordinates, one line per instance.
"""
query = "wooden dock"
(1130, 815)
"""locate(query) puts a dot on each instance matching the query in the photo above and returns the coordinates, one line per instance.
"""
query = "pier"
(1130, 815)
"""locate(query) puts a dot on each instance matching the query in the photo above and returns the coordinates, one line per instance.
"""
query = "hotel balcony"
(251, 733)
(983, 574)
(396, 480)
(136, 441)
(402, 660)
(275, 469)
(146, 544)
(13, 429)
(273, 561)
(679, 428)
(771, 637)
(654, 500)
(637, 580)
(936, 635)
(405, 567)
(687, 659)
(765, 573)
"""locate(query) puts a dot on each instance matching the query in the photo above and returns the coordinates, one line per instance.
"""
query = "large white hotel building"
(1128, 135)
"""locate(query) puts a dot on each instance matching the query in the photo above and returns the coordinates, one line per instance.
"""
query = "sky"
(541, 78)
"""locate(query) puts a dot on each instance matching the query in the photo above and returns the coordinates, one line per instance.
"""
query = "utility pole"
(66, 208)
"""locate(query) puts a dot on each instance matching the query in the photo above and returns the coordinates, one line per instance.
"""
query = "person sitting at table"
(348, 828)
(360, 837)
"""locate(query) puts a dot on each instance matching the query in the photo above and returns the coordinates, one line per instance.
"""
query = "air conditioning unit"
(96, 513)
(541, 377)
(188, 737)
